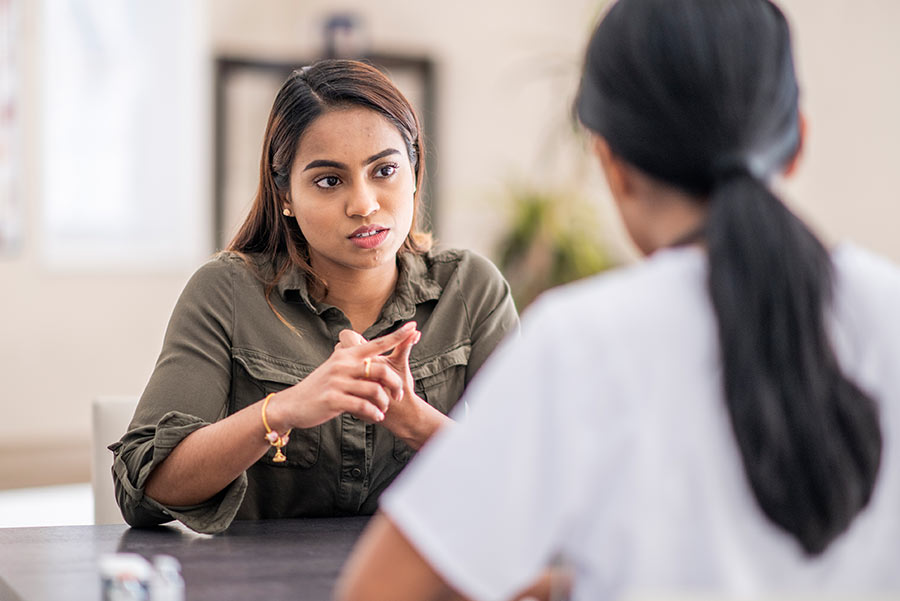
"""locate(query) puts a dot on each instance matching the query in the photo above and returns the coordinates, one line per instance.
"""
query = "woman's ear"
(792, 164)
(615, 170)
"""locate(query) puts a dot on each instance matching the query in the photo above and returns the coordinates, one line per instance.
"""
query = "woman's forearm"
(209, 459)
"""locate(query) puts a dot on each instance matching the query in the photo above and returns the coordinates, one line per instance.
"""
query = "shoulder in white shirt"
(602, 435)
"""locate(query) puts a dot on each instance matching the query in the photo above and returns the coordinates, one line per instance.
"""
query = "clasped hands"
(359, 379)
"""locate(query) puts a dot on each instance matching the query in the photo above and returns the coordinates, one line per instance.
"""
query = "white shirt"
(602, 434)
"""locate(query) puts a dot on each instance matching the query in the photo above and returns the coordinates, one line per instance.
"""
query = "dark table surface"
(274, 559)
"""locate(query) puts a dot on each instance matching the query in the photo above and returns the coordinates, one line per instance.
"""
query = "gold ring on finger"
(368, 363)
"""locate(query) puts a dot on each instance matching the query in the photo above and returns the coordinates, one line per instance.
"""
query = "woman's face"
(351, 191)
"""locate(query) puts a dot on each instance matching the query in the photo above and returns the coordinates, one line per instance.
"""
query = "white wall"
(849, 66)
(506, 76)
(66, 336)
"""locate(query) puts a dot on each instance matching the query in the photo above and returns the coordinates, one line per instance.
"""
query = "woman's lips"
(369, 236)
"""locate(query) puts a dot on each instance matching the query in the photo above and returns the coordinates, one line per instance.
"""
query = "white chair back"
(110, 418)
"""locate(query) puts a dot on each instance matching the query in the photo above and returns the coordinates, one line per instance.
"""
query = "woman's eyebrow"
(339, 165)
(381, 155)
(324, 163)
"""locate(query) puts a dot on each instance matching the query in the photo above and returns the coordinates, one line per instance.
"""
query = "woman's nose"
(363, 201)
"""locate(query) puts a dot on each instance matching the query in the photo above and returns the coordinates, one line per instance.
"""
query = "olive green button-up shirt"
(226, 349)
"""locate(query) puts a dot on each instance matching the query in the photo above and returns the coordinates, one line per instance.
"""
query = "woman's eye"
(329, 181)
(387, 170)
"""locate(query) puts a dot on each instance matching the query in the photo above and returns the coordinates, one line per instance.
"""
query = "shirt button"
(356, 472)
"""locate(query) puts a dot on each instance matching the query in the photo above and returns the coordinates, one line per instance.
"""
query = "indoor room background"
(130, 146)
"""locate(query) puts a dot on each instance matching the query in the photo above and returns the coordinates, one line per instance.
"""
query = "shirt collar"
(414, 286)
(293, 287)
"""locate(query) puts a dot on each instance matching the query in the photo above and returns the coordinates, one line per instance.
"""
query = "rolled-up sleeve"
(144, 448)
(189, 388)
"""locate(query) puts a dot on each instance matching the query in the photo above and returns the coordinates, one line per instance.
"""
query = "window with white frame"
(124, 129)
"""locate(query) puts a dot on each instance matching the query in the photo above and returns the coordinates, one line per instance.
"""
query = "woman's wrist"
(426, 421)
(276, 414)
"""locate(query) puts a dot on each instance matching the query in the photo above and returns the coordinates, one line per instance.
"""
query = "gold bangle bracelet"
(272, 437)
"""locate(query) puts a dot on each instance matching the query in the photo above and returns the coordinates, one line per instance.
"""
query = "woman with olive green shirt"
(303, 366)
(225, 349)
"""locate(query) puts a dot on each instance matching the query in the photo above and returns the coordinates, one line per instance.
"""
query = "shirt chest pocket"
(440, 380)
(254, 376)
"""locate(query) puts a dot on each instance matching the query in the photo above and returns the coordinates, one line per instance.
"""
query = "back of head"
(690, 90)
(702, 95)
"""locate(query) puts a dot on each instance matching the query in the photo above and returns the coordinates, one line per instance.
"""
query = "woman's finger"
(384, 343)
(369, 391)
(349, 338)
(362, 409)
(400, 356)
(387, 377)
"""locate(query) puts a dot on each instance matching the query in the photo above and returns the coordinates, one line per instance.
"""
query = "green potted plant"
(553, 238)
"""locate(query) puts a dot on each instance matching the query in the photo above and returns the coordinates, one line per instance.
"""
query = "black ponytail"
(702, 94)
(809, 437)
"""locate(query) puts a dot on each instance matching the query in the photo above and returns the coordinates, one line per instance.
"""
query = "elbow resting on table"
(137, 514)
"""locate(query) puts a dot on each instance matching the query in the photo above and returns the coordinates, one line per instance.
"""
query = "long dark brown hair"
(306, 94)
(702, 94)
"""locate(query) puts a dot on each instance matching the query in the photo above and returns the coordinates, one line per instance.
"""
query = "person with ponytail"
(721, 419)
(304, 365)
